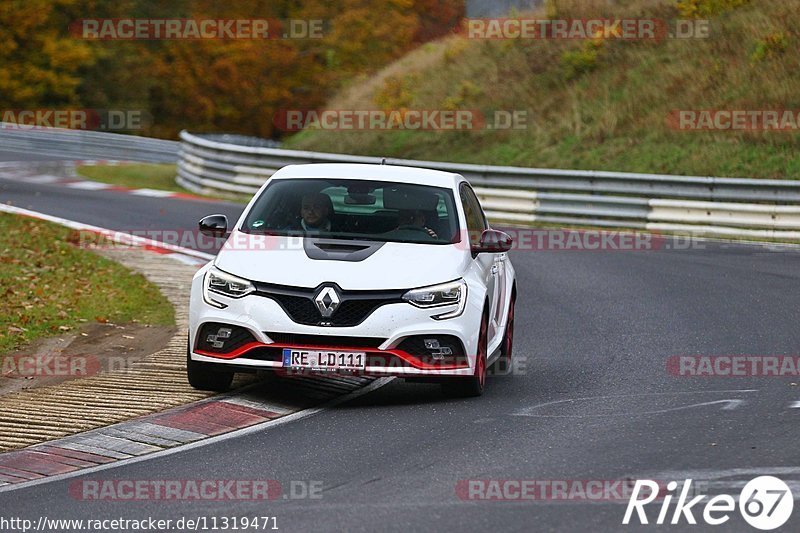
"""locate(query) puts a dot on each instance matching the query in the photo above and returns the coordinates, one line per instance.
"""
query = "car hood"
(304, 262)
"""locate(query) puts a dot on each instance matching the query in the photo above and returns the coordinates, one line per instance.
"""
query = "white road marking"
(794, 405)
(89, 185)
(731, 479)
(43, 178)
(152, 192)
(730, 404)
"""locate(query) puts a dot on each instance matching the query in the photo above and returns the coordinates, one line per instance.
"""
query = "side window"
(476, 222)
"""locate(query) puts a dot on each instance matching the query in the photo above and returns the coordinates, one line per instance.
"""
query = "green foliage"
(582, 60)
(551, 9)
(397, 92)
(454, 49)
(772, 45)
(706, 8)
(466, 94)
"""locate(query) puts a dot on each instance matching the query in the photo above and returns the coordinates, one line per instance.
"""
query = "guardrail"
(56, 143)
(735, 207)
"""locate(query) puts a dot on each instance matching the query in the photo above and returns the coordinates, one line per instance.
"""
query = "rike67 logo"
(765, 503)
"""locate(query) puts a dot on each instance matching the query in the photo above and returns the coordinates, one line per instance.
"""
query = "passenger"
(414, 219)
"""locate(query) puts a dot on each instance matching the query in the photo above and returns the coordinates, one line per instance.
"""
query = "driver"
(414, 218)
(315, 212)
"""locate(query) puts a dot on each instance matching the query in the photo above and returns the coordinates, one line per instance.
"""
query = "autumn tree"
(205, 85)
(40, 62)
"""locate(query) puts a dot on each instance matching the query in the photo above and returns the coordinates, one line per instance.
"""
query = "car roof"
(358, 171)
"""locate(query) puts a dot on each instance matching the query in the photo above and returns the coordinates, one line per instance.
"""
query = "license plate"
(324, 360)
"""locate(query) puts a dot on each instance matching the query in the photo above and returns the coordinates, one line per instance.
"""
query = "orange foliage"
(204, 85)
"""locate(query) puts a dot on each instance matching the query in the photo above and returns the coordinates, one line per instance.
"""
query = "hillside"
(598, 104)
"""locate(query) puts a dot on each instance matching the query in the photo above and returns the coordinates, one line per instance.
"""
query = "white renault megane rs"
(370, 269)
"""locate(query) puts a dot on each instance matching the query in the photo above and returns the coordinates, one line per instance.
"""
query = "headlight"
(218, 282)
(452, 293)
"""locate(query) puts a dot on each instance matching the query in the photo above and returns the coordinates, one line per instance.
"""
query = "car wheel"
(202, 377)
(503, 364)
(473, 385)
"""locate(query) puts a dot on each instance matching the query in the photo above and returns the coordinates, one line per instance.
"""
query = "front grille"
(325, 340)
(264, 353)
(353, 309)
(222, 338)
(387, 360)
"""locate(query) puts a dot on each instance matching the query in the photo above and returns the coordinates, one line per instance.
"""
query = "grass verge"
(147, 175)
(134, 176)
(601, 104)
(49, 286)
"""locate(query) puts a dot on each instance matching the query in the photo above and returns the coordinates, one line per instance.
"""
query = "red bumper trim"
(413, 360)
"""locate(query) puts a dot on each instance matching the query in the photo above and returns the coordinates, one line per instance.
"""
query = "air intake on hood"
(339, 250)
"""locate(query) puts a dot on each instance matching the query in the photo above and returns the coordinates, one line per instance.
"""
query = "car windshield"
(355, 209)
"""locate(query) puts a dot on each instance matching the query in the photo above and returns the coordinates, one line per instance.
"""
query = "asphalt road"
(10, 155)
(594, 333)
(111, 210)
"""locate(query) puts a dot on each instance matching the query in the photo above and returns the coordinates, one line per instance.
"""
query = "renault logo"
(327, 300)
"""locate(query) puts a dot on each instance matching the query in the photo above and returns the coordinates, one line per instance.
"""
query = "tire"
(471, 386)
(202, 377)
(502, 366)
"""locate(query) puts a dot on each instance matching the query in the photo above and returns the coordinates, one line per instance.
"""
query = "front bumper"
(381, 335)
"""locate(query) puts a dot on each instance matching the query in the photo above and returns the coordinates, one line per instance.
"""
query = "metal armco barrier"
(231, 164)
(733, 207)
(56, 143)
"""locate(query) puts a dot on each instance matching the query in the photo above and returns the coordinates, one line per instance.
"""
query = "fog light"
(218, 340)
(438, 352)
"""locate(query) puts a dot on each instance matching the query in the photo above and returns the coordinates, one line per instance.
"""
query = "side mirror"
(214, 225)
(494, 241)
